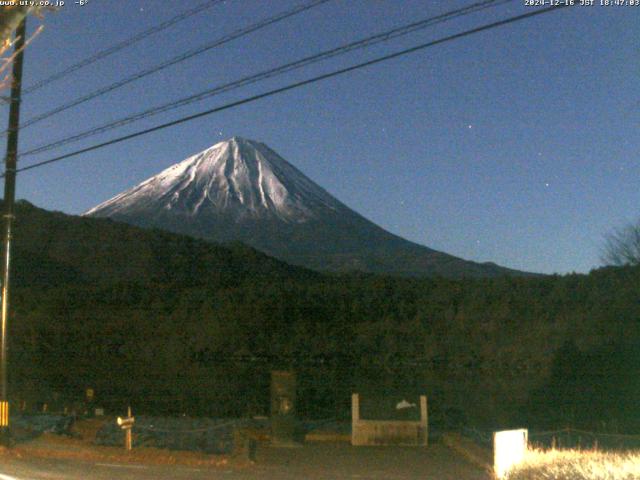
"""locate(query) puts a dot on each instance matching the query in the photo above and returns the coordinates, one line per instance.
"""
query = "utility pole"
(9, 200)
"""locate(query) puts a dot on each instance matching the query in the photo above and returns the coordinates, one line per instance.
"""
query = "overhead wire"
(296, 85)
(270, 73)
(121, 45)
(173, 61)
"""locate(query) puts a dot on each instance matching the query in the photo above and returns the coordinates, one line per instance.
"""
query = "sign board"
(126, 423)
(283, 407)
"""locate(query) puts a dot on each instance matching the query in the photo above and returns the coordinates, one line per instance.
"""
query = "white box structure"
(509, 449)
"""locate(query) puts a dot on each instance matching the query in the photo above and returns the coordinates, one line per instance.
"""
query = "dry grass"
(577, 465)
(52, 446)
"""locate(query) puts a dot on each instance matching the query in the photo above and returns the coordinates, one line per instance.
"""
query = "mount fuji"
(241, 190)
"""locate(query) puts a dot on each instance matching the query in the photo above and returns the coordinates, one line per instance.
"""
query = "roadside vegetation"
(577, 465)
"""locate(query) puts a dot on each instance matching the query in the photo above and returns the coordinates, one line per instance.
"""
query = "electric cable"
(295, 85)
(121, 45)
(173, 61)
(359, 44)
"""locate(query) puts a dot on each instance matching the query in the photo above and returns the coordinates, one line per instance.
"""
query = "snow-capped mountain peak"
(236, 178)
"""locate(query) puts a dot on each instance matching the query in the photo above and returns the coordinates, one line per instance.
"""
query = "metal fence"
(583, 439)
(566, 438)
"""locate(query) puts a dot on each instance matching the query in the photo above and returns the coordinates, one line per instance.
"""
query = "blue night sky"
(518, 145)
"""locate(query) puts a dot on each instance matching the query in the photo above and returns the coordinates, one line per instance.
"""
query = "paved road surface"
(311, 462)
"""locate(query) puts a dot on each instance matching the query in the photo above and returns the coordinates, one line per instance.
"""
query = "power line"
(295, 85)
(173, 61)
(359, 44)
(121, 45)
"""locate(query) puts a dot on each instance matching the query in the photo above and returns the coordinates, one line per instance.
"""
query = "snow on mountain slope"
(238, 178)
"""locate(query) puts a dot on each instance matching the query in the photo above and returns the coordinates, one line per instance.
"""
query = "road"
(312, 462)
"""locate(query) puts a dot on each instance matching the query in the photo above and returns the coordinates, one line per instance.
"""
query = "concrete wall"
(388, 432)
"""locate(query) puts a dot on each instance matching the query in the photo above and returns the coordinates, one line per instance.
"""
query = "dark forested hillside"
(172, 324)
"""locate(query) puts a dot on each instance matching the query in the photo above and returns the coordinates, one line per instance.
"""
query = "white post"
(424, 419)
(355, 415)
(355, 408)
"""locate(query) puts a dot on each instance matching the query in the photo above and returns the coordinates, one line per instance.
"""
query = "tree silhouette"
(622, 246)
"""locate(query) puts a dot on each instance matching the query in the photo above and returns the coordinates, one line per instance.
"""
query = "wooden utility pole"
(128, 440)
(9, 200)
(126, 424)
